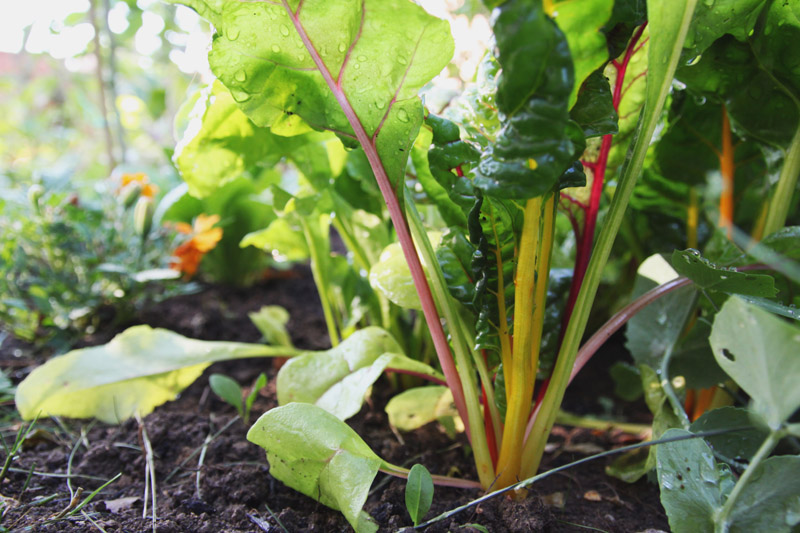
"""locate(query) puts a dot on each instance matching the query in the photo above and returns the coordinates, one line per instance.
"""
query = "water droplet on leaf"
(362, 58)
(233, 34)
(276, 48)
(402, 115)
(342, 47)
(240, 75)
(284, 30)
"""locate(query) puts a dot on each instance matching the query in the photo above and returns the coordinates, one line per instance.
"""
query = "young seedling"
(419, 493)
(231, 392)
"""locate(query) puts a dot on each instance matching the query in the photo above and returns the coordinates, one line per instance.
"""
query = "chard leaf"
(413, 408)
(581, 21)
(391, 276)
(138, 370)
(271, 321)
(594, 111)
(327, 64)
(759, 351)
(220, 143)
(279, 237)
(338, 379)
(538, 141)
(228, 389)
(713, 20)
(317, 454)
(707, 275)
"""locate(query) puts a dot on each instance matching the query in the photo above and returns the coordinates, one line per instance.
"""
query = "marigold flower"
(148, 189)
(204, 237)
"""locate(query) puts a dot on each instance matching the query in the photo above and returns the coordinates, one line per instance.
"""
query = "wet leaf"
(707, 275)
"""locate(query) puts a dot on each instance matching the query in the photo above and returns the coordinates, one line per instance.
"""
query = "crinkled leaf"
(594, 111)
(317, 454)
(707, 275)
(712, 20)
(413, 408)
(740, 445)
(581, 22)
(760, 352)
(338, 379)
(138, 370)
(693, 488)
(538, 141)
(271, 321)
(376, 55)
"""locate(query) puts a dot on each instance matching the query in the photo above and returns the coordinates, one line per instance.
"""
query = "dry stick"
(98, 52)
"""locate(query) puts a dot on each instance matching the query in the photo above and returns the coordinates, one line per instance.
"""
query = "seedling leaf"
(227, 389)
(315, 453)
(419, 493)
(759, 351)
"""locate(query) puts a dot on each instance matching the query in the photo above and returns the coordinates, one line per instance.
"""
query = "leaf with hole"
(760, 352)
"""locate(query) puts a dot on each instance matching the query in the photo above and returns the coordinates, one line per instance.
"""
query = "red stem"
(398, 220)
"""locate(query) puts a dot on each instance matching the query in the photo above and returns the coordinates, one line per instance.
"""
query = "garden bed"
(232, 490)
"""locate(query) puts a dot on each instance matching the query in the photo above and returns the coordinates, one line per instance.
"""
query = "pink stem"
(398, 219)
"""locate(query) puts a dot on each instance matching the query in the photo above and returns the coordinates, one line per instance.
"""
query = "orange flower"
(148, 189)
(204, 237)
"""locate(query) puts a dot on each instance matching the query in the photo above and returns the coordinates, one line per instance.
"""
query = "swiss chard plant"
(459, 218)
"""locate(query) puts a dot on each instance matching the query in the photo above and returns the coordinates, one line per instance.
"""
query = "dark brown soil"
(231, 490)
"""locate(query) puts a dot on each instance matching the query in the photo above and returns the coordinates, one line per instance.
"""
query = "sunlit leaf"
(315, 453)
(138, 370)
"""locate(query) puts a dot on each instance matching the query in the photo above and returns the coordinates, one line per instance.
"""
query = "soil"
(210, 479)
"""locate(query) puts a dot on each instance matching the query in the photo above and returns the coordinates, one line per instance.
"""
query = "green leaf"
(281, 238)
(338, 379)
(317, 454)
(290, 68)
(419, 492)
(770, 502)
(594, 111)
(413, 408)
(627, 381)
(654, 330)
(138, 370)
(759, 351)
(220, 143)
(260, 383)
(227, 389)
(581, 22)
(707, 275)
(271, 321)
(538, 141)
(692, 486)
(391, 276)
(740, 445)
(712, 20)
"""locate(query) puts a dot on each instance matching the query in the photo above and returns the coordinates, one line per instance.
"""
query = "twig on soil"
(197, 450)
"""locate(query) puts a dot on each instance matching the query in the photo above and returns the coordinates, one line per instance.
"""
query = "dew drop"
(240, 75)
(362, 58)
(276, 48)
(233, 34)
(342, 47)
(301, 57)
(402, 60)
(284, 30)
(380, 105)
(240, 96)
(402, 115)
(356, 66)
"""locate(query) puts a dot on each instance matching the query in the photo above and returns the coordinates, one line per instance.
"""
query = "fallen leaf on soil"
(121, 504)
(592, 496)
(555, 499)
